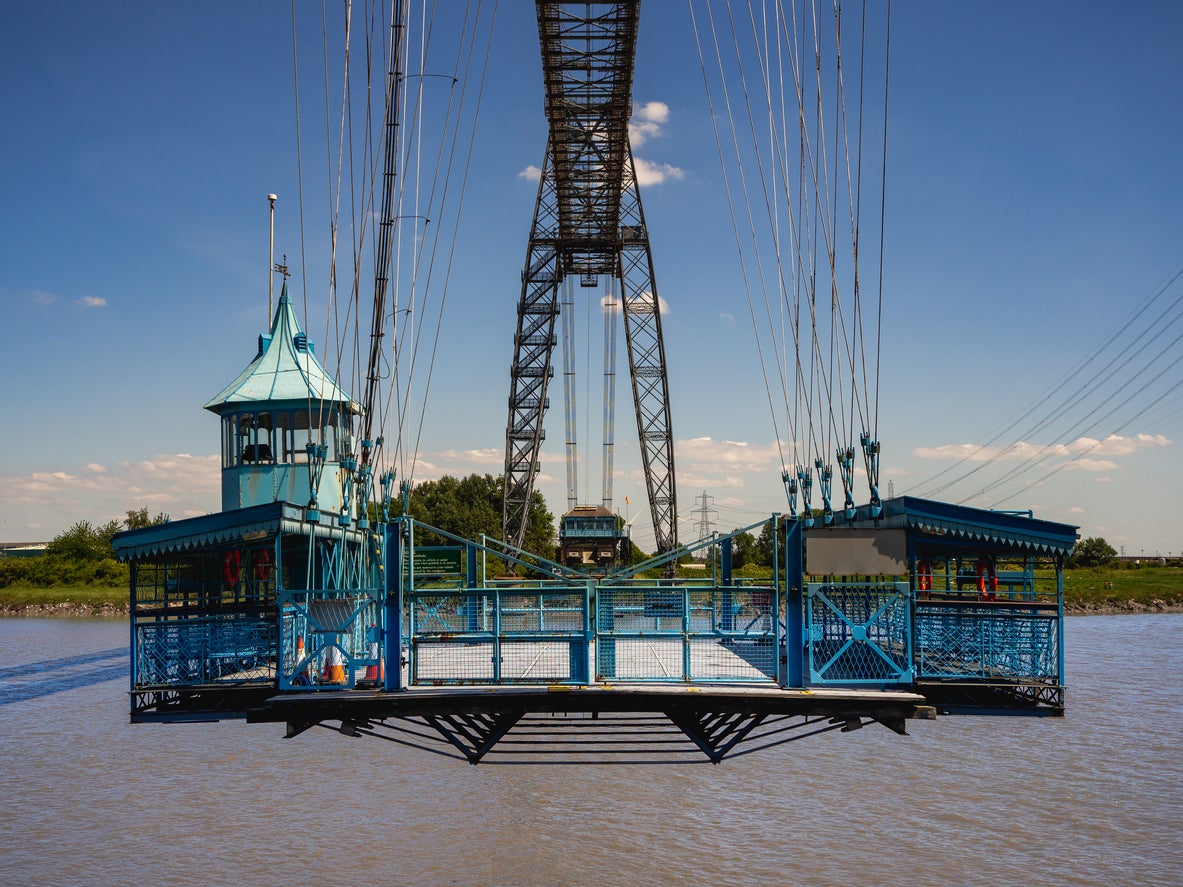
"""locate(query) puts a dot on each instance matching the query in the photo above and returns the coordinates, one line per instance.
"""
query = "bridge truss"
(588, 222)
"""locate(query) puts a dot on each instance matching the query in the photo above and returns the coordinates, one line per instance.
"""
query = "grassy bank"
(1086, 590)
(1089, 589)
(66, 600)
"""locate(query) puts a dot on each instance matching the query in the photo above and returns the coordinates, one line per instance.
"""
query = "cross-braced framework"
(588, 221)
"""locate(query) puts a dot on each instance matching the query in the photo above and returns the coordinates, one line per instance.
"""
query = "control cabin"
(593, 539)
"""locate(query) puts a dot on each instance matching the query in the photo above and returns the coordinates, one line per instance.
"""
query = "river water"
(1095, 798)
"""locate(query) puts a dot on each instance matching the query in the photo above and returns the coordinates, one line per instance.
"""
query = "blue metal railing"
(987, 643)
(859, 633)
(687, 633)
(208, 650)
(509, 635)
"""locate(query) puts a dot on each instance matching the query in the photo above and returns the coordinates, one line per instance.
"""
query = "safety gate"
(499, 635)
(687, 633)
(859, 633)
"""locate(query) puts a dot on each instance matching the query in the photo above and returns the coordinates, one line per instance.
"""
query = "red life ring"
(924, 575)
(231, 562)
(987, 579)
(263, 564)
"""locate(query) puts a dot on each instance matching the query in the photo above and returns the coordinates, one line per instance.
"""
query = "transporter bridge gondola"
(307, 601)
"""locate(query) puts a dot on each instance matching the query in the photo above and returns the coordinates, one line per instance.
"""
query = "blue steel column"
(727, 601)
(774, 606)
(604, 601)
(794, 605)
(135, 641)
(579, 662)
(471, 601)
(393, 585)
(1060, 625)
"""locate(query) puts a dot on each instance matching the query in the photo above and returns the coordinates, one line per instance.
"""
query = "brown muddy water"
(1093, 799)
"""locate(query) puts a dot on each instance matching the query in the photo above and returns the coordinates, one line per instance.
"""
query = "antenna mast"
(271, 198)
(385, 228)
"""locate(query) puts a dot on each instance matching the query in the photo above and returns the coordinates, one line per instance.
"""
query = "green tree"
(1092, 552)
(138, 519)
(82, 542)
(764, 550)
(743, 548)
(471, 506)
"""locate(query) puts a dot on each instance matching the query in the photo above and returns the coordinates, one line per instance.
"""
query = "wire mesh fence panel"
(987, 643)
(690, 633)
(205, 651)
(531, 661)
(436, 660)
(499, 636)
(733, 659)
(859, 633)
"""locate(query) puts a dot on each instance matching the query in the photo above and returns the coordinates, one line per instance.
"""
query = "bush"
(1092, 552)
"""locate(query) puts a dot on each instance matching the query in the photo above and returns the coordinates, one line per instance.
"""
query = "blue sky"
(1033, 195)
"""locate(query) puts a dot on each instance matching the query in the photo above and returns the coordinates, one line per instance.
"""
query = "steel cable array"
(1108, 389)
(834, 396)
(419, 160)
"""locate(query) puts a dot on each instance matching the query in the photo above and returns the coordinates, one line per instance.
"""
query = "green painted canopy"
(284, 371)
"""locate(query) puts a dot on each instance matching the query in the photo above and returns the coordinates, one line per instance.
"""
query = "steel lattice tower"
(588, 221)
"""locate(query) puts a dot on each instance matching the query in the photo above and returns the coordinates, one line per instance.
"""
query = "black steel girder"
(588, 222)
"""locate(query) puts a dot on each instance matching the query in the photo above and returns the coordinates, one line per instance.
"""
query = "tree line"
(81, 555)
(467, 507)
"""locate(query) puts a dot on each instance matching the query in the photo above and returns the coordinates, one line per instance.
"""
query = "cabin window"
(258, 444)
(283, 436)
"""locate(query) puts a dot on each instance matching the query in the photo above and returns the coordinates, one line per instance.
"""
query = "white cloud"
(180, 484)
(709, 482)
(446, 460)
(91, 302)
(652, 112)
(531, 173)
(646, 122)
(43, 298)
(728, 319)
(655, 173)
(705, 456)
(646, 298)
(1091, 465)
(1113, 445)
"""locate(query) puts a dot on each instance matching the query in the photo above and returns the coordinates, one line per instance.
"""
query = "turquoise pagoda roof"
(285, 370)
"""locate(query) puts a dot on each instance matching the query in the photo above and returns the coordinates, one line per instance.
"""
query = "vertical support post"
(1060, 623)
(686, 674)
(496, 636)
(604, 603)
(794, 605)
(392, 640)
(777, 597)
(135, 640)
(579, 663)
(727, 602)
(471, 602)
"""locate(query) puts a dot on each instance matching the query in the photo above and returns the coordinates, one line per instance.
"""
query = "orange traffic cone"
(300, 666)
(334, 670)
(375, 673)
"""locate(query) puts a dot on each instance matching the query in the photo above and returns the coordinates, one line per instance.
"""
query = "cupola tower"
(285, 424)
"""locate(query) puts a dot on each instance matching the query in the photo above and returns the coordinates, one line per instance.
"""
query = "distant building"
(22, 549)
